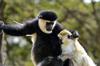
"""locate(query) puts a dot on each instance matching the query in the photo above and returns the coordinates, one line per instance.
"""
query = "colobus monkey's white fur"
(72, 49)
(42, 25)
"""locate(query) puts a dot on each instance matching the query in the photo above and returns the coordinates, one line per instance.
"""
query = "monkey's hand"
(1, 25)
(75, 34)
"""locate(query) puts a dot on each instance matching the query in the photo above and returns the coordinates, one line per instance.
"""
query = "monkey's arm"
(19, 30)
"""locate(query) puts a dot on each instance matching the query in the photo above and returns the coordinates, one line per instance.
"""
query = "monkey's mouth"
(49, 26)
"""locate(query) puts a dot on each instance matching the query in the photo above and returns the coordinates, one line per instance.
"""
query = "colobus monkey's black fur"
(47, 47)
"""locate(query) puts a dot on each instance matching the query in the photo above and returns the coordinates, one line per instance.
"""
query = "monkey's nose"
(49, 27)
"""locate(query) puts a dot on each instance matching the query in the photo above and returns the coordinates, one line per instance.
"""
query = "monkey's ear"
(64, 33)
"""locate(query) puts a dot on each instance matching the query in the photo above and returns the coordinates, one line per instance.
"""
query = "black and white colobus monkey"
(46, 47)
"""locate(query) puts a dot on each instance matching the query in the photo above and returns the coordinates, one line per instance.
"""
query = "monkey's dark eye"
(50, 23)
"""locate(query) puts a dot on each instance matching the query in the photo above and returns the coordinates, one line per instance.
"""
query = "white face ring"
(42, 26)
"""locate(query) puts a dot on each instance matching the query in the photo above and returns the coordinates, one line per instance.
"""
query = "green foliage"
(18, 10)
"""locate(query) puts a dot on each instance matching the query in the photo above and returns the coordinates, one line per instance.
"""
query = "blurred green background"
(73, 14)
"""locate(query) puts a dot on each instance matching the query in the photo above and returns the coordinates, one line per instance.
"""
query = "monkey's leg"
(68, 62)
(51, 61)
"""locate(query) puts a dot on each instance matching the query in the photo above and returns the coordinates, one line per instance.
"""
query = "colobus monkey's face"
(46, 26)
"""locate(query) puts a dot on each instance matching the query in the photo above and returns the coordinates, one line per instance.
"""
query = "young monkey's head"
(68, 36)
(64, 36)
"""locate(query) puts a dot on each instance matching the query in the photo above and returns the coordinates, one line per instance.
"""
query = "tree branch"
(1, 33)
